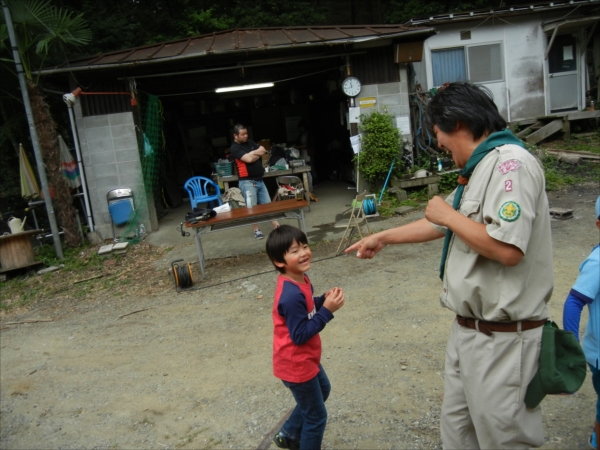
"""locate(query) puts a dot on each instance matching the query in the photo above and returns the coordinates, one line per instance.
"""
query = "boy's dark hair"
(238, 127)
(279, 242)
(468, 104)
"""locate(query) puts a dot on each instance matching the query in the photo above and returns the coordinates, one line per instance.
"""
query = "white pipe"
(89, 219)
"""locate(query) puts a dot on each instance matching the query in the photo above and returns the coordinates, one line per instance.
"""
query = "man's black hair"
(279, 242)
(467, 104)
(238, 127)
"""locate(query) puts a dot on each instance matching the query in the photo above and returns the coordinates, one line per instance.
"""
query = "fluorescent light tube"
(244, 88)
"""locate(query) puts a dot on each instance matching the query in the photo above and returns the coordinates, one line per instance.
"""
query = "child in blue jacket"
(586, 291)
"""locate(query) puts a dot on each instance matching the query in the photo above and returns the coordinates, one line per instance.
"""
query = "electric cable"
(182, 275)
(197, 288)
(182, 231)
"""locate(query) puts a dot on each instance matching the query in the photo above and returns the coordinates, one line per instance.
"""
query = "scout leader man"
(248, 158)
(496, 269)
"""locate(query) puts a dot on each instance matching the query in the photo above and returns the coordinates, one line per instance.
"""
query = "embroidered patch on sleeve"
(509, 166)
(509, 211)
(508, 185)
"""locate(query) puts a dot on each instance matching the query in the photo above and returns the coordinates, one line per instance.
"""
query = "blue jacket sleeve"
(292, 307)
(572, 311)
(319, 301)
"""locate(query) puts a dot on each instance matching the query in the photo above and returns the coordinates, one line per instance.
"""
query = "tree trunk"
(46, 128)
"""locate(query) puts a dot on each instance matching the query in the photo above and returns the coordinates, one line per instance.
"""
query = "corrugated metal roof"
(500, 12)
(240, 40)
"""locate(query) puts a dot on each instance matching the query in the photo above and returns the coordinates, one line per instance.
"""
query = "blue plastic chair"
(198, 188)
(120, 207)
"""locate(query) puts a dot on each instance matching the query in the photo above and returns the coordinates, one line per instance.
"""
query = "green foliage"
(73, 258)
(275, 13)
(117, 24)
(22, 291)
(205, 21)
(589, 142)
(40, 28)
(417, 196)
(388, 204)
(449, 182)
(43, 33)
(380, 144)
(560, 175)
(556, 178)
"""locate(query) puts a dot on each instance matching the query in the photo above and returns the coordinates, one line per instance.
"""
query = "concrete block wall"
(111, 160)
(391, 96)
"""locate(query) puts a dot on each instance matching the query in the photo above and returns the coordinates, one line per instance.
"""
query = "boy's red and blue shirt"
(298, 317)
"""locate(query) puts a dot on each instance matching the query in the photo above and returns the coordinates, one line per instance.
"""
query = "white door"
(563, 81)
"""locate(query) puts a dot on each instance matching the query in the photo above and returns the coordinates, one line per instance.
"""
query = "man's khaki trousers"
(486, 379)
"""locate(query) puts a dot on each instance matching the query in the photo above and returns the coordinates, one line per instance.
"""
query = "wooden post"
(566, 127)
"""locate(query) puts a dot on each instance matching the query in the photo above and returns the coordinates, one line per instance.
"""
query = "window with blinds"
(474, 63)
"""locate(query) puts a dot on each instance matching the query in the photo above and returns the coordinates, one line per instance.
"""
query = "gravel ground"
(193, 370)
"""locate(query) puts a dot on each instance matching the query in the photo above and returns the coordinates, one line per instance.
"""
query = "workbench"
(240, 217)
(300, 171)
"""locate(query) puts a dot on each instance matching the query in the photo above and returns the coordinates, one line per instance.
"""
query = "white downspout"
(70, 100)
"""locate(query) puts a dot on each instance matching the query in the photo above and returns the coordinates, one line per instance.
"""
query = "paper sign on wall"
(403, 124)
(567, 52)
(355, 141)
(354, 114)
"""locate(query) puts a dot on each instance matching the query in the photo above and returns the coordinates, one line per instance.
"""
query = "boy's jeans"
(307, 422)
(258, 189)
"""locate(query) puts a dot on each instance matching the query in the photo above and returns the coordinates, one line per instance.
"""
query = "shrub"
(380, 144)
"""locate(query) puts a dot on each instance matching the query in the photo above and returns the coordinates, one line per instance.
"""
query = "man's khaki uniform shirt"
(507, 193)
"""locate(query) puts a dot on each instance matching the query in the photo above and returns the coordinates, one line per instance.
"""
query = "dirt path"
(194, 369)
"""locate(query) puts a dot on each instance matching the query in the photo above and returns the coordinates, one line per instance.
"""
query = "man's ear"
(460, 126)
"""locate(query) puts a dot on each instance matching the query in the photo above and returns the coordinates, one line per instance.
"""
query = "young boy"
(586, 291)
(298, 317)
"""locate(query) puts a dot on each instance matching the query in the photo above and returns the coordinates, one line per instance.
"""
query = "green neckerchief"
(493, 140)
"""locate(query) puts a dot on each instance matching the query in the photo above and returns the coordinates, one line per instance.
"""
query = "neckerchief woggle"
(492, 141)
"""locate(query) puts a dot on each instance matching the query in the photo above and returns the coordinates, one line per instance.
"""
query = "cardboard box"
(266, 143)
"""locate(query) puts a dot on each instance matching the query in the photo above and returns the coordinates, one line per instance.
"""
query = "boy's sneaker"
(258, 234)
(592, 441)
(282, 441)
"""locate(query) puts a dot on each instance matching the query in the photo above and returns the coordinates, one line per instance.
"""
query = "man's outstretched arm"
(418, 231)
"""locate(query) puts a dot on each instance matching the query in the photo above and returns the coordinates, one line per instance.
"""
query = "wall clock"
(351, 86)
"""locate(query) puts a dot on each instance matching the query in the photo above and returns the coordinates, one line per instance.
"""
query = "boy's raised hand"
(334, 299)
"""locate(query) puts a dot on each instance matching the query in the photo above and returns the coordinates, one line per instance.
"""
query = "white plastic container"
(249, 199)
